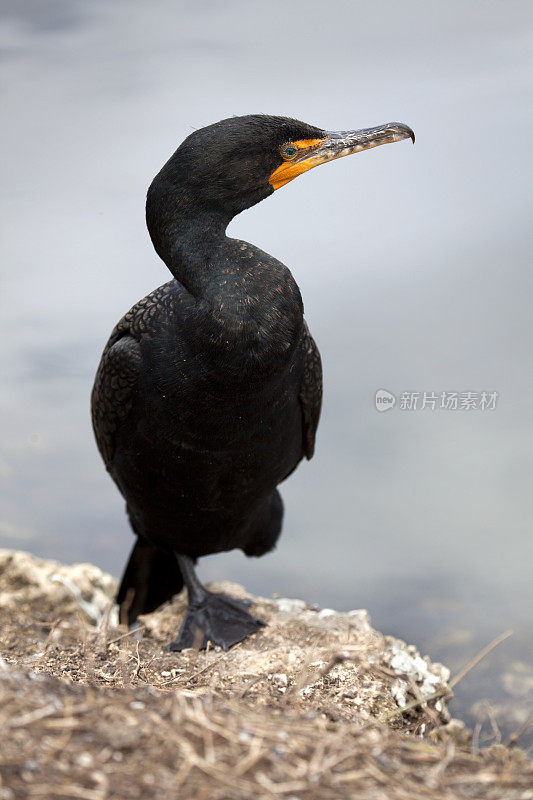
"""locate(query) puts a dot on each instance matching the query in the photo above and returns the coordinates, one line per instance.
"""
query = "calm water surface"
(414, 264)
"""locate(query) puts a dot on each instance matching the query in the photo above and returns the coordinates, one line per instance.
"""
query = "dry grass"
(62, 740)
(303, 710)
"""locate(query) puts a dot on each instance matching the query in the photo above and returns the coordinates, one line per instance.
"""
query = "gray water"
(414, 264)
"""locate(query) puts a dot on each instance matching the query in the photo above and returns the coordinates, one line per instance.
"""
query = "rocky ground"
(316, 705)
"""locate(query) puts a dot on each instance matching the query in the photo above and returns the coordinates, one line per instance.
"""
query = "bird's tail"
(151, 577)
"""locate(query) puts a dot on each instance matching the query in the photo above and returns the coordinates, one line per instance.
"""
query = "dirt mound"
(316, 705)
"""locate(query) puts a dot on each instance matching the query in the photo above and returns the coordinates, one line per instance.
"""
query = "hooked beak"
(336, 144)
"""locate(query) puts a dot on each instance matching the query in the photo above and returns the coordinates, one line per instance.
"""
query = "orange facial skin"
(301, 162)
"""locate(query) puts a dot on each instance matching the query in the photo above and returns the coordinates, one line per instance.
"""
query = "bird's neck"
(243, 295)
(190, 245)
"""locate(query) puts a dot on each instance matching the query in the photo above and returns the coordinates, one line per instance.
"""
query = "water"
(414, 264)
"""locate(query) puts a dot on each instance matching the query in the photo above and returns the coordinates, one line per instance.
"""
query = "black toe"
(218, 619)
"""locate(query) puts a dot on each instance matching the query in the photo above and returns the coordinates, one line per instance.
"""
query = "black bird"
(209, 390)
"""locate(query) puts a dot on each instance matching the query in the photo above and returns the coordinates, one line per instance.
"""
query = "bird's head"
(235, 163)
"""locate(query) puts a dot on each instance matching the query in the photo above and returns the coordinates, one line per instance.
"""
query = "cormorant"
(209, 390)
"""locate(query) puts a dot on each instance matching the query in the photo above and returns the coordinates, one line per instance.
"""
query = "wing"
(119, 369)
(112, 392)
(310, 394)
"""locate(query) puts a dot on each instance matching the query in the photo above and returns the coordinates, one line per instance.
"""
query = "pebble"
(289, 605)
(84, 760)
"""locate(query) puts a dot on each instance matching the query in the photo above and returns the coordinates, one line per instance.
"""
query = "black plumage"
(208, 392)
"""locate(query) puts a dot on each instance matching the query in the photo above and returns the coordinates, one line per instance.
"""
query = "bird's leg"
(195, 590)
(210, 617)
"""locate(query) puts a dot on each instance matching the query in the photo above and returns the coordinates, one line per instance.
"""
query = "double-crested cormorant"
(208, 393)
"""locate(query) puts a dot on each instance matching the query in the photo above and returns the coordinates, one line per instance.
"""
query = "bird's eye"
(289, 151)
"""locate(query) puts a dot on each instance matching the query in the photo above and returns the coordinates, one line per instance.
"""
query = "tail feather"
(151, 577)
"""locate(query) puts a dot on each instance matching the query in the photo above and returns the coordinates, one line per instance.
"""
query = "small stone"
(399, 691)
(288, 605)
(84, 760)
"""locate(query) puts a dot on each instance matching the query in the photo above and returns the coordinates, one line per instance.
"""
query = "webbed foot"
(218, 619)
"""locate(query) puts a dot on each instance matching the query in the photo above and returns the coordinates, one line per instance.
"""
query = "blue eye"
(289, 151)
